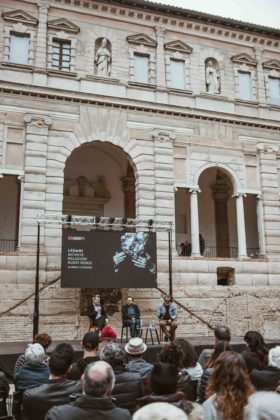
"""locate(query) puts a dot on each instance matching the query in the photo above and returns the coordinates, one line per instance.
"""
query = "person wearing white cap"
(135, 350)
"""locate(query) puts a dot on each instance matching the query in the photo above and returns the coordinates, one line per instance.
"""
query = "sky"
(260, 12)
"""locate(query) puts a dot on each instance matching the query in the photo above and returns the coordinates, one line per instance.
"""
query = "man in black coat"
(97, 313)
(131, 317)
(268, 379)
(56, 391)
(4, 393)
(95, 403)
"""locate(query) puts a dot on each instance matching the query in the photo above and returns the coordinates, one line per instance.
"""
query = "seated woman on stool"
(97, 314)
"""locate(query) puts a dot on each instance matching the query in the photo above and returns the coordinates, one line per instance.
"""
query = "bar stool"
(126, 333)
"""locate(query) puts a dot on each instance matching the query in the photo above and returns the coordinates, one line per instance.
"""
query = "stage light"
(111, 221)
(69, 220)
(150, 224)
(97, 220)
(124, 222)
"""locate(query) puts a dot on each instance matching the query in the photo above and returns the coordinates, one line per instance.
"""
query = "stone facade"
(172, 138)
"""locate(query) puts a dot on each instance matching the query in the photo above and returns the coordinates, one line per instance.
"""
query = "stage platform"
(9, 351)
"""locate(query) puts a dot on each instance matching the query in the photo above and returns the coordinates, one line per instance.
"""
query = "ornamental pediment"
(20, 16)
(272, 64)
(178, 46)
(244, 59)
(141, 39)
(63, 24)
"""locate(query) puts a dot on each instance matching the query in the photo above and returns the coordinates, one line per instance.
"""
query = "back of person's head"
(98, 379)
(219, 348)
(256, 344)
(274, 357)
(61, 359)
(222, 333)
(231, 383)
(35, 354)
(263, 406)
(163, 379)
(44, 339)
(159, 411)
(172, 354)
(190, 356)
(108, 333)
(113, 354)
(90, 340)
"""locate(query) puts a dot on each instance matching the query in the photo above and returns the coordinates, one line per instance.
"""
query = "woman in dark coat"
(256, 353)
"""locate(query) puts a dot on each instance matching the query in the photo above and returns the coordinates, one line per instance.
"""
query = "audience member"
(174, 355)
(44, 339)
(220, 347)
(160, 411)
(4, 393)
(229, 388)
(256, 353)
(201, 244)
(263, 406)
(190, 360)
(56, 391)
(128, 385)
(135, 350)
(222, 333)
(35, 371)
(167, 315)
(108, 334)
(164, 389)
(131, 316)
(95, 403)
(267, 379)
(90, 346)
(97, 313)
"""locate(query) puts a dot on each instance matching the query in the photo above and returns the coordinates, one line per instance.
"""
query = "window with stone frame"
(62, 40)
(177, 64)
(245, 77)
(19, 38)
(142, 59)
(19, 48)
(272, 81)
(61, 54)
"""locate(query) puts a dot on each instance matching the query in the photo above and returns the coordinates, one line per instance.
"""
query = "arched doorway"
(99, 180)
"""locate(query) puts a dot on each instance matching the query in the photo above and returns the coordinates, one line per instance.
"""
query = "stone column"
(41, 43)
(194, 223)
(21, 182)
(34, 192)
(160, 56)
(268, 162)
(260, 225)
(241, 231)
(261, 96)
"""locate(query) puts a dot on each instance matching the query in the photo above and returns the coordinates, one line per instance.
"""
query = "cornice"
(173, 18)
(147, 107)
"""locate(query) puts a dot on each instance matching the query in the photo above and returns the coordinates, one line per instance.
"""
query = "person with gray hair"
(267, 379)
(35, 371)
(263, 406)
(160, 411)
(128, 386)
(96, 402)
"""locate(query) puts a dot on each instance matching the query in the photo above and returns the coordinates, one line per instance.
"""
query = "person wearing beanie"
(108, 334)
(90, 346)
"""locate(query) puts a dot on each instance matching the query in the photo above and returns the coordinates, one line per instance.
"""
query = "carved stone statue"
(103, 59)
(212, 79)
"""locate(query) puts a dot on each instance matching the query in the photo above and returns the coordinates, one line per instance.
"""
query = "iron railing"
(225, 252)
(8, 245)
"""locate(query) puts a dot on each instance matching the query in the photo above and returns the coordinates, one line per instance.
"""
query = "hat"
(90, 340)
(108, 332)
(135, 346)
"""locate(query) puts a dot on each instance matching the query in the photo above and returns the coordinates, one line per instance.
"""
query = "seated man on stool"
(131, 317)
(97, 313)
(167, 314)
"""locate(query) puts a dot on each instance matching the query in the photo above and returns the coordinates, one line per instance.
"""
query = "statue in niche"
(80, 188)
(103, 59)
(100, 188)
(212, 78)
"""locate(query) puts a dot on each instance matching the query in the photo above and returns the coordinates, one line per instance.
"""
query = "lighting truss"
(103, 222)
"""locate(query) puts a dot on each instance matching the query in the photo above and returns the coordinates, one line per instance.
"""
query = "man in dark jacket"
(4, 393)
(128, 386)
(95, 403)
(268, 379)
(90, 345)
(97, 313)
(131, 317)
(37, 401)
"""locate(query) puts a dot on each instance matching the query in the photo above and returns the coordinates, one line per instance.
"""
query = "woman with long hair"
(256, 354)
(228, 389)
(190, 360)
(220, 347)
